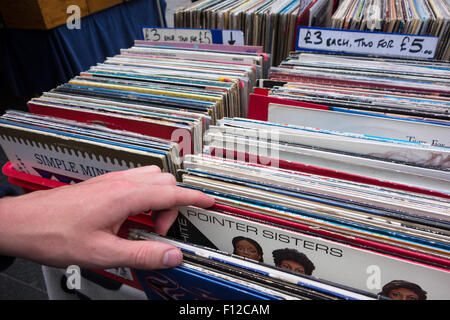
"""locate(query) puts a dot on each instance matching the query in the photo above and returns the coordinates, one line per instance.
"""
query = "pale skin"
(77, 225)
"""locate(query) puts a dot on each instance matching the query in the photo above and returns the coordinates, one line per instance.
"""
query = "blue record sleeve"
(182, 283)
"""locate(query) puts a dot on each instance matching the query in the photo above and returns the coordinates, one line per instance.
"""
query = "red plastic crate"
(28, 182)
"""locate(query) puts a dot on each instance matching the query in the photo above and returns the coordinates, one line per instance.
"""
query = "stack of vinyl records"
(70, 152)
(388, 101)
(271, 24)
(348, 181)
(160, 98)
(414, 90)
(349, 209)
(211, 274)
(421, 17)
(378, 158)
(336, 186)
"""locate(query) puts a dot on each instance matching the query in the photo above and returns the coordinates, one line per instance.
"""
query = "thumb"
(141, 254)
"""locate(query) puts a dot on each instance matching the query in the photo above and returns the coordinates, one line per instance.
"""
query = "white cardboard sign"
(366, 42)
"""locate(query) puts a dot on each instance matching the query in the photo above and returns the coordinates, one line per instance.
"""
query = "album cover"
(327, 260)
(243, 274)
(71, 158)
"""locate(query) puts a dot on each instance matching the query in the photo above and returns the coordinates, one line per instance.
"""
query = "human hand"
(78, 224)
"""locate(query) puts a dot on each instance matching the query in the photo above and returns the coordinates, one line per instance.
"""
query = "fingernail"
(172, 258)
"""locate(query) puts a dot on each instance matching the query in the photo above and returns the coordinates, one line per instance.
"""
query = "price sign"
(366, 42)
(203, 36)
(177, 35)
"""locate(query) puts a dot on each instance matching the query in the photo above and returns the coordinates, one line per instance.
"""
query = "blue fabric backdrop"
(33, 61)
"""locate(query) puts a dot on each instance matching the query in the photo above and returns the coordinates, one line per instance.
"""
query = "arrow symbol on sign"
(231, 41)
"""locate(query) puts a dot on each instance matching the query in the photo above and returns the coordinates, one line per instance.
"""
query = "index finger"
(173, 196)
(161, 197)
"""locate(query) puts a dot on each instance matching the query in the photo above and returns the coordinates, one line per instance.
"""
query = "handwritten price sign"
(177, 35)
(369, 43)
(201, 36)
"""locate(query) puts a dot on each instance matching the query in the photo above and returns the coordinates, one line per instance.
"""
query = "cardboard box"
(99, 5)
(47, 14)
(38, 14)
